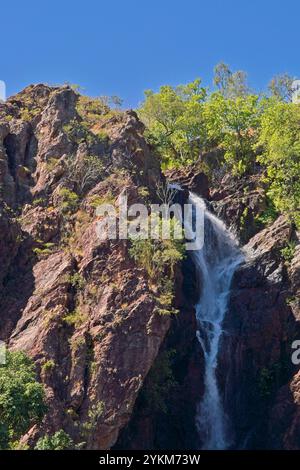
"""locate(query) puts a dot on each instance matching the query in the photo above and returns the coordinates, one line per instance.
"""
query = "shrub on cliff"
(21, 398)
(159, 257)
(58, 441)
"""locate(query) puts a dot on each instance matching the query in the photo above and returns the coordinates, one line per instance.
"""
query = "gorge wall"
(86, 312)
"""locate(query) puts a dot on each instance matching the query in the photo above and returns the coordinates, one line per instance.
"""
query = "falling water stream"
(215, 265)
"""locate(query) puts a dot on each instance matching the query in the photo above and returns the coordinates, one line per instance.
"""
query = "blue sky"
(122, 47)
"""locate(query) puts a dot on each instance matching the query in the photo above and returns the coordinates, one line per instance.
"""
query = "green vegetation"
(231, 125)
(38, 201)
(75, 318)
(94, 110)
(174, 120)
(69, 200)
(268, 216)
(252, 132)
(52, 163)
(281, 87)
(288, 251)
(97, 200)
(77, 281)
(94, 414)
(58, 441)
(48, 366)
(280, 138)
(44, 249)
(159, 258)
(85, 173)
(230, 84)
(28, 114)
(79, 132)
(21, 398)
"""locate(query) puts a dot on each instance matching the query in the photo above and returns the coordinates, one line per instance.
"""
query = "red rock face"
(86, 313)
(99, 360)
(261, 386)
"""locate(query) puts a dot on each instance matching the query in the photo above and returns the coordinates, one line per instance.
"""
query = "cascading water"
(215, 265)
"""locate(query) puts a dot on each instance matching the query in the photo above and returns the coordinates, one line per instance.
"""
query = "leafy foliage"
(230, 84)
(186, 124)
(159, 258)
(58, 441)
(231, 124)
(75, 318)
(94, 414)
(281, 87)
(173, 117)
(269, 215)
(280, 138)
(288, 251)
(69, 200)
(21, 398)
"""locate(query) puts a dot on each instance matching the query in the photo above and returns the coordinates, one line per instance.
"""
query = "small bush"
(97, 200)
(58, 441)
(159, 258)
(288, 251)
(76, 343)
(75, 318)
(268, 216)
(38, 201)
(95, 412)
(48, 366)
(69, 200)
(77, 281)
(52, 163)
(44, 250)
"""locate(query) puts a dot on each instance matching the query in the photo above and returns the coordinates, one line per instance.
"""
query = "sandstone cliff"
(116, 372)
(79, 306)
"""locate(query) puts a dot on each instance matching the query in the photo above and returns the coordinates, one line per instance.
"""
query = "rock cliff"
(117, 373)
(78, 305)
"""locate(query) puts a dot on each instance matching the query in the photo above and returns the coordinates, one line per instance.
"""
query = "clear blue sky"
(123, 47)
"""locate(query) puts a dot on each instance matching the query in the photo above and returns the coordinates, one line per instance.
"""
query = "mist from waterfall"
(215, 265)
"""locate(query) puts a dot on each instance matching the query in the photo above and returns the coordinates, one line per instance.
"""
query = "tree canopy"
(251, 130)
(21, 398)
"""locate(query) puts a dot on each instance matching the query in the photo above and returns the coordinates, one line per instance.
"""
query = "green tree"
(231, 124)
(174, 121)
(58, 441)
(230, 84)
(21, 398)
(280, 137)
(281, 87)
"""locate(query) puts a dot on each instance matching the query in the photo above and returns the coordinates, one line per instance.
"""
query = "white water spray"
(215, 265)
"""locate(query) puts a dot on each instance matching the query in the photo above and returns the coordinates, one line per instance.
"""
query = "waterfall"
(215, 265)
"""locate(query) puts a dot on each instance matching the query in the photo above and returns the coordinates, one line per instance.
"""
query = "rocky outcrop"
(260, 386)
(78, 305)
(190, 179)
(164, 413)
(116, 372)
(240, 202)
(259, 382)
